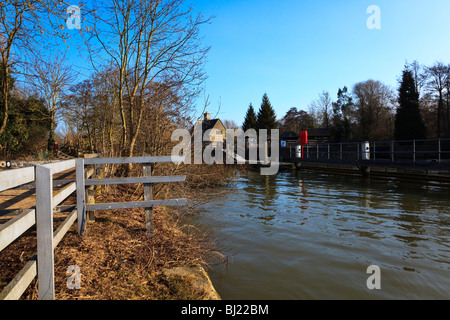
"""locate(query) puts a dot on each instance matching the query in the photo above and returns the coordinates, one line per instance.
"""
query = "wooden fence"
(42, 264)
(146, 179)
(41, 215)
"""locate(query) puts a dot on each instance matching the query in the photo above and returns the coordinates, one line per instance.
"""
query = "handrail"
(15, 227)
(433, 152)
(46, 200)
(147, 180)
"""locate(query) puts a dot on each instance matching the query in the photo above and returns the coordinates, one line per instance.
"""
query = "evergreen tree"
(26, 127)
(343, 111)
(295, 121)
(408, 120)
(250, 119)
(266, 115)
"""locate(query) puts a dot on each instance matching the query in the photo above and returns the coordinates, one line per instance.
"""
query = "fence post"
(44, 230)
(392, 151)
(90, 196)
(374, 151)
(414, 151)
(81, 203)
(147, 172)
(340, 151)
(439, 150)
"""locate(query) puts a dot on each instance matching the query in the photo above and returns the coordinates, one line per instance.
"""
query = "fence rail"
(147, 180)
(42, 264)
(41, 216)
(430, 152)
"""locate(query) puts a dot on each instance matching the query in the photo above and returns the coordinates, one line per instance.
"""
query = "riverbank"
(118, 260)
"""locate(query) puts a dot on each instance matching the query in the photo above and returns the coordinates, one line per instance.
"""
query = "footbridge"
(421, 157)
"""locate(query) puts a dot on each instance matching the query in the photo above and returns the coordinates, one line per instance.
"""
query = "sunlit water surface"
(310, 235)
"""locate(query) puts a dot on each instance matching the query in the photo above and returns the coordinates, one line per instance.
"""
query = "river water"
(312, 235)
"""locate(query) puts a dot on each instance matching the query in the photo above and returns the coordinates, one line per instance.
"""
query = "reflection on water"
(309, 235)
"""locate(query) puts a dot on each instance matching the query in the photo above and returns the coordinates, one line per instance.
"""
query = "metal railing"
(426, 152)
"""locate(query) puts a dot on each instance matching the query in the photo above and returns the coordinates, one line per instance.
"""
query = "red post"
(303, 139)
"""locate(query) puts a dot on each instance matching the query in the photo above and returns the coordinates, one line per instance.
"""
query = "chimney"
(207, 116)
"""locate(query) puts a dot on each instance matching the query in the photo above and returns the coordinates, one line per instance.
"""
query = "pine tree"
(266, 115)
(408, 120)
(250, 119)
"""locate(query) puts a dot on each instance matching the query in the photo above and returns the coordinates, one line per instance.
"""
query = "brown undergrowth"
(117, 258)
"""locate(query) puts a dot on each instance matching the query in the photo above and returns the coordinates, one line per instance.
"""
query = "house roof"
(289, 135)
(209, 124)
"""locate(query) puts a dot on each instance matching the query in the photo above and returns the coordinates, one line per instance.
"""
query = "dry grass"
(117, 258)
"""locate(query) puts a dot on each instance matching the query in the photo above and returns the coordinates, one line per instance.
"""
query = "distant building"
(214, 128)
(290, 139)
(319, 134)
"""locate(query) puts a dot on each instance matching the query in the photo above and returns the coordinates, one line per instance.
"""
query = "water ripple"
(303, 235)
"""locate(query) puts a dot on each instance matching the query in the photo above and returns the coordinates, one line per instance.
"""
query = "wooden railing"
(147, 180)
(41, 215)
(42, 264)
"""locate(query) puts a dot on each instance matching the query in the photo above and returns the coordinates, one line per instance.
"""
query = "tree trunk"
(439, 113)
(51, 135)
(5, 90)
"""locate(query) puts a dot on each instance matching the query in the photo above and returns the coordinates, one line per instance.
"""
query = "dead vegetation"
(117, 258)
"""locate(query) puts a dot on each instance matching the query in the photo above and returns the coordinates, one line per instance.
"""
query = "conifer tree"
(250, 119)
(408, 120)
(266, 115)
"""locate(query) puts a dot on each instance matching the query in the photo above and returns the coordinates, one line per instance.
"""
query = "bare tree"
(51, 76)
(230, 124)
(437, 77)
(106, 110)
(419, 74)
(374, 102)
(322, 108)
(24, 24)
(148, 42)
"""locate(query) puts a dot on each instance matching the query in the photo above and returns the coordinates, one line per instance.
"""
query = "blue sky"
(294, 50)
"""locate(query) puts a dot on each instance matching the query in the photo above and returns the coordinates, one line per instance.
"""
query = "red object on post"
(303, 139)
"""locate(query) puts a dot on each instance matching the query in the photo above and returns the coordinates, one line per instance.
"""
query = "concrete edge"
(200, 281)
